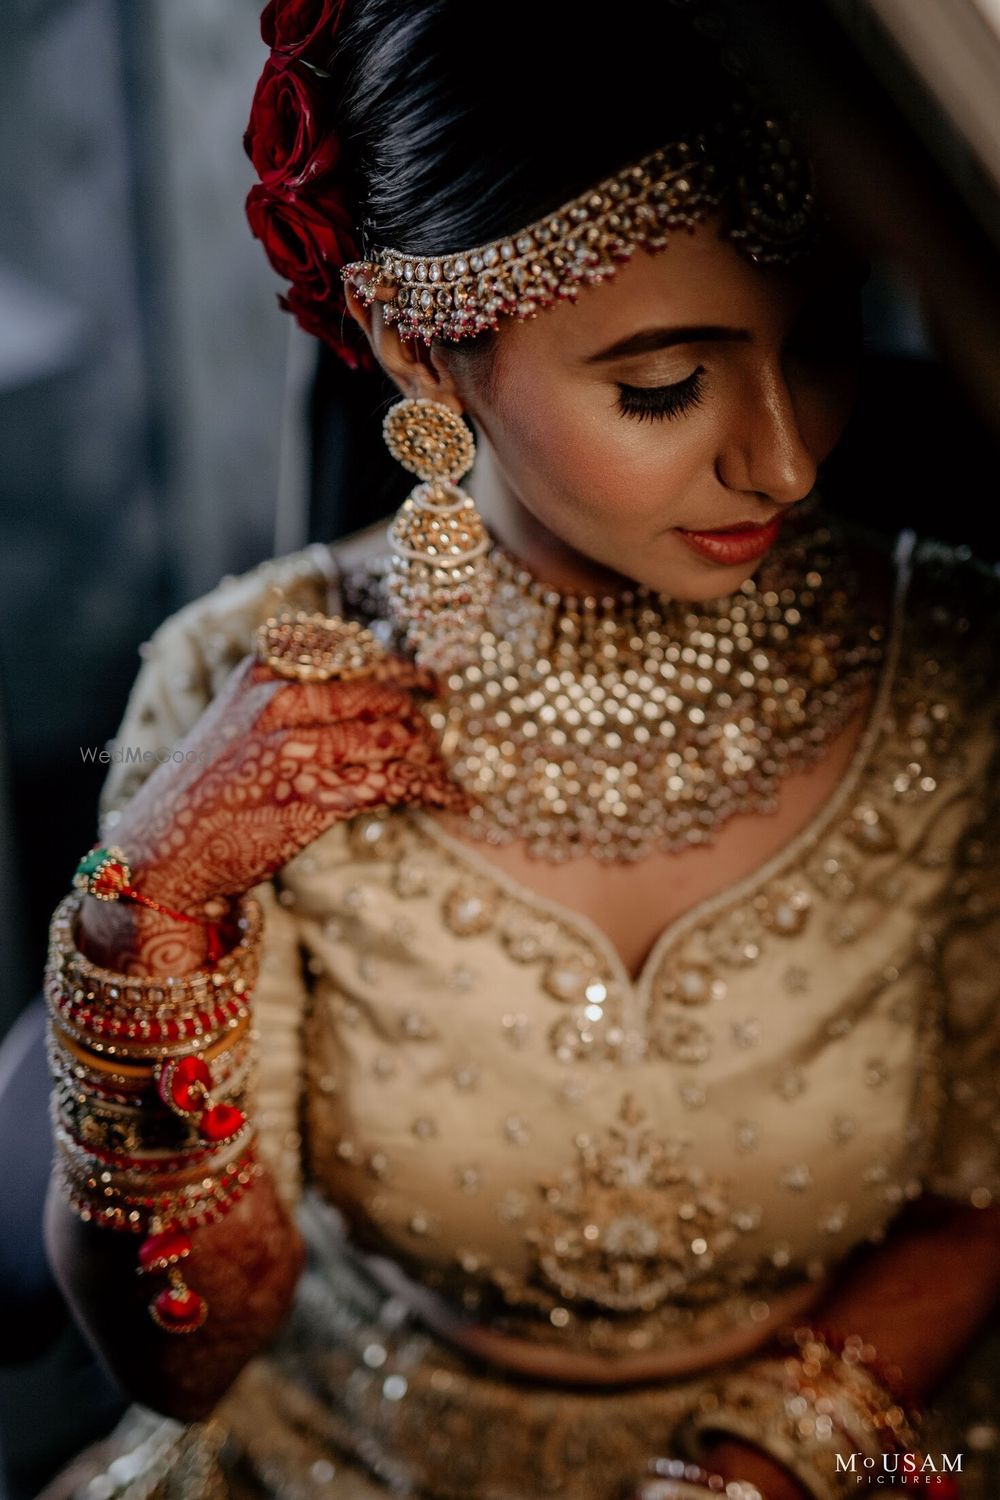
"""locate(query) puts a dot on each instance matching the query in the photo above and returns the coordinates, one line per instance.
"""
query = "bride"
(536, 1034)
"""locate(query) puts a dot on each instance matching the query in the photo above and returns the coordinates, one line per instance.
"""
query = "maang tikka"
(440, 578)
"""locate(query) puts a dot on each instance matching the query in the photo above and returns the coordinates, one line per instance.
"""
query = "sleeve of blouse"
(965, 1158)
(184, 665)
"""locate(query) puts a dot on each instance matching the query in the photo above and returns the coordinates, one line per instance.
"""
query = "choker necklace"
(622, 725)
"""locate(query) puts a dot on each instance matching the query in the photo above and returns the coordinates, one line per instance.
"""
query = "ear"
(413, 365)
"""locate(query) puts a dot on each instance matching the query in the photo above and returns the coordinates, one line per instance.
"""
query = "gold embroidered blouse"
(593, 1164)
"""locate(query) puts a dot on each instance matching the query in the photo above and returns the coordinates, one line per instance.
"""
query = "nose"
(766, 453)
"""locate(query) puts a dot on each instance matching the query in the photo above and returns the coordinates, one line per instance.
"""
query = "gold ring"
(317, 647)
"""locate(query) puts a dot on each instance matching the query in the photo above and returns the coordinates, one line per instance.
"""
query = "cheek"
(564, 445)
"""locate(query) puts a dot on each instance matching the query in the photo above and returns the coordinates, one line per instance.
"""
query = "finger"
(406, 673)
(388, 668)
(258, 826)
(363, 699)
(316, 799)
(353, 743)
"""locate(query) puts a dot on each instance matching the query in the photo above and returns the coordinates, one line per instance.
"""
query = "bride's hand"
(269, 766)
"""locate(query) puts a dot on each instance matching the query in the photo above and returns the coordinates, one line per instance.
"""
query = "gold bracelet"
(806, 1410)
(125, 995)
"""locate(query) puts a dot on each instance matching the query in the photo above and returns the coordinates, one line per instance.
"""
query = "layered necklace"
(621, 725)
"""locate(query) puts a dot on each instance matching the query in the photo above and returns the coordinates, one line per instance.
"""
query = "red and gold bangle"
(131, 1062)
(105, 1083)
(135, 1132)
(80, 1092)
(82, 980)
(166, 1169)
(115, 1206)
(185, 1084)
(165, 1218)
(144, 1141)
(104, 872)
(110, 1082)
(140, 1042)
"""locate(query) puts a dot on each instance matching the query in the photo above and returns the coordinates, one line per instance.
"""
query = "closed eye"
(654, 402)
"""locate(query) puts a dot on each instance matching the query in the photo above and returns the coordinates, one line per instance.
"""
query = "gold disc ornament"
(429, 439)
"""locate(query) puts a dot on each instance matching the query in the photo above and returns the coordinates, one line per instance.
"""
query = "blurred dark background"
(162, 424)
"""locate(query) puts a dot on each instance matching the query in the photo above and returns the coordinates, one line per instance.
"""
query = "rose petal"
(301, 28)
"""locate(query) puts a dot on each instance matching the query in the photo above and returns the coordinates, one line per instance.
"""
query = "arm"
(255, 1251)
(246, 1265)
(276, 764)
(920, 1298)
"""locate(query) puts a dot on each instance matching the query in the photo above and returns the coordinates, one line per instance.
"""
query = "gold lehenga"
(799, 1056)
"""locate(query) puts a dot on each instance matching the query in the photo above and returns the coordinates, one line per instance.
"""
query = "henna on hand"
(276, 766)
(133, 940)
(269, 767)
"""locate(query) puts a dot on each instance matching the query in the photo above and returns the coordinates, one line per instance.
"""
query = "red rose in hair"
(301, 28)
(287, 138)
(307, 240)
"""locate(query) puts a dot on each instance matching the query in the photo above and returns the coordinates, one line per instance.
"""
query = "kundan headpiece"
(453, 296)
(746, 165)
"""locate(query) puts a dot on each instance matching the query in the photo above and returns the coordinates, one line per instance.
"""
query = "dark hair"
(461, 123)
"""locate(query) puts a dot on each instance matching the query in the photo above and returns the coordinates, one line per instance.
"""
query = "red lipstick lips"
(737, 544)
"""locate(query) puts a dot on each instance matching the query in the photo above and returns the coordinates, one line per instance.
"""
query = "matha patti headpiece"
(751, 164)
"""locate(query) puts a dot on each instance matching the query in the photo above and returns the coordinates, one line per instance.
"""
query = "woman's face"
(693, 392)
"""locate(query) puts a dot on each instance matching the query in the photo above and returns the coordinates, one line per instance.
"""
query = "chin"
(698, 580)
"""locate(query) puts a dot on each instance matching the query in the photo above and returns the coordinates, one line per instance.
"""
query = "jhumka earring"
(440, 579)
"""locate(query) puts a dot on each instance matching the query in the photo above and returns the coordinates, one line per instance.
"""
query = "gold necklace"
(621, 725)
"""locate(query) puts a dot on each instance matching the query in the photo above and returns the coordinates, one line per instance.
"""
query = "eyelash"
(651, 403)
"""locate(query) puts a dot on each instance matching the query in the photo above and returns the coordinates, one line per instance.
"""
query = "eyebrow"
(663, 338)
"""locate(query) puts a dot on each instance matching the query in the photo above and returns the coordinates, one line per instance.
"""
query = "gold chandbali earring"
(440, 578)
